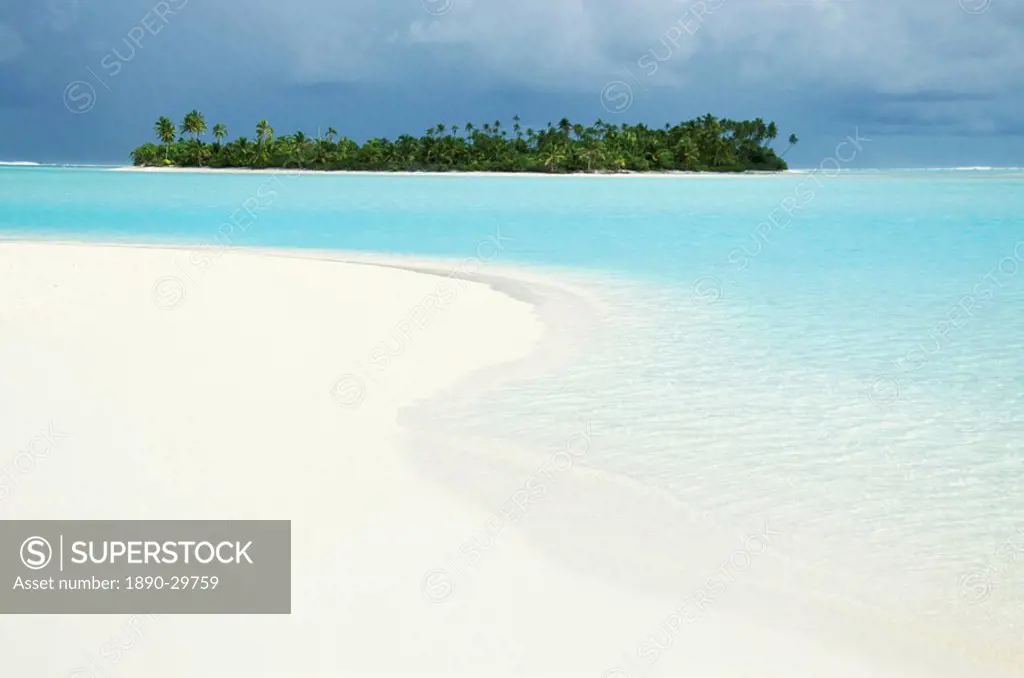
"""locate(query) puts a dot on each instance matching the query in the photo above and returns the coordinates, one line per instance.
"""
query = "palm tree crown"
(165, 130)
(264, 132)
(194, 124)
(219, 132)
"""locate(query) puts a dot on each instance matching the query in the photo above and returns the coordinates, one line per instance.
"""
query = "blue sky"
(930, 82)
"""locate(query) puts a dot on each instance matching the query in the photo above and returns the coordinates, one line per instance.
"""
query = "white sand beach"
(602, 175)
(244, 394)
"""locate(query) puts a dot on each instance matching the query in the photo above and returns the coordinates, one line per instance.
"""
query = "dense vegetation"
(703, 144)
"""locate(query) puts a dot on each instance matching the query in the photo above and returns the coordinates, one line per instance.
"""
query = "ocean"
(838, 351)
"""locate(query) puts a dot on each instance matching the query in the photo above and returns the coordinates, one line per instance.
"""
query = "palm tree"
(194, 124)
(552, 157)
(331, 133)
(241, 152)
(264, 136)
(687, 155)
(219, 132)
(165, 130)
(592, 153)
(167, 133)
(792, 142)
(264, 132)
(145, 154)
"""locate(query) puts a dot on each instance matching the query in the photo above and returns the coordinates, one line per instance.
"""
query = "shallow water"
(853, 372)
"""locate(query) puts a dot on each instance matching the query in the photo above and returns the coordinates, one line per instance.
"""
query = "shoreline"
(398, 477)
(237, 170)
(228, 403)
(676, 173)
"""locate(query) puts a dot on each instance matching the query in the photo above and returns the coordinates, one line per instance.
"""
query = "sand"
(250, 390)
(224, 402)
(595, 175)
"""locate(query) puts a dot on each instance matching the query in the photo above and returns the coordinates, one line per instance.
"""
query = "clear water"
(855, 370)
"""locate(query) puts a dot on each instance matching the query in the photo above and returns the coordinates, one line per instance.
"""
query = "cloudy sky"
(930, 82)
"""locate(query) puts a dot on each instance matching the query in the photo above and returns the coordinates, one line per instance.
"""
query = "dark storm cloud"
(819, 67)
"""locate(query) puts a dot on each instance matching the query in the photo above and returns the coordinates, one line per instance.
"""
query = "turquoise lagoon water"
(843, 353)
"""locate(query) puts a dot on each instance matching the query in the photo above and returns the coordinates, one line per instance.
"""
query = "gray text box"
(145, 567)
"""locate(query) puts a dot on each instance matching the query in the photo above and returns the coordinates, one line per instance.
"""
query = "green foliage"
(165, 130)
(194, 124)
(219, 132)
(792, 142)
(147, 154)
(703, 144)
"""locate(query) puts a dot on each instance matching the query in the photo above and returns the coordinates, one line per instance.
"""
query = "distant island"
(704, 144)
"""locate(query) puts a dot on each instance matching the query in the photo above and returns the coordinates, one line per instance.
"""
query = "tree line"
(706, 143)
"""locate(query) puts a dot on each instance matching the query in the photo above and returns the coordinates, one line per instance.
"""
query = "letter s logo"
(79, 97)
